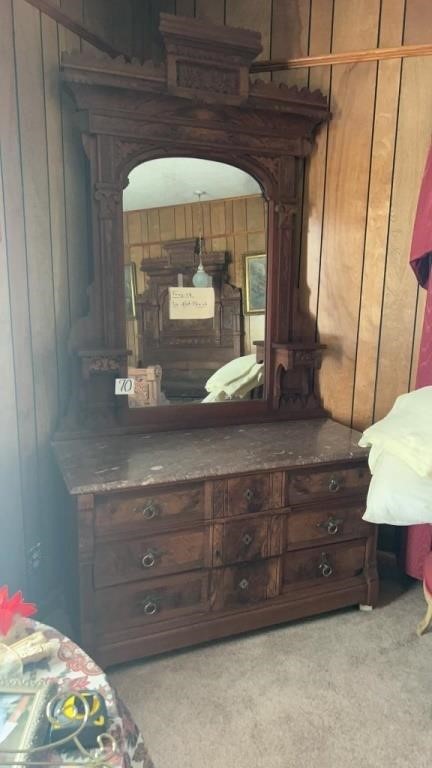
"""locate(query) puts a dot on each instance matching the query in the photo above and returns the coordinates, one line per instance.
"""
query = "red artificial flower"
(11, 607)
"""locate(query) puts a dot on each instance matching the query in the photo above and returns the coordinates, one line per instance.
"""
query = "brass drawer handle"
(324, 566)
(150, 606)
(244, 584)
(247, 539)
(334, 485)
(249, 494)
(149, 511)
(331, 525)
(148, 559)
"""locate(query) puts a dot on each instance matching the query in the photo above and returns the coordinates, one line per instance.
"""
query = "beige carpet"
(346, 690)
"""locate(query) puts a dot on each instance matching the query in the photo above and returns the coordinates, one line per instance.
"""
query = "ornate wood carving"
(199, 102)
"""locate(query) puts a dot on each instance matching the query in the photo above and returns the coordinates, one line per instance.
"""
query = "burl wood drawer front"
(325, 523)
(247, 494)
(140, 604)
(150, 511)
(237, 541)
(244, 585)
(306, 485)
(324, 564)
(150, 557)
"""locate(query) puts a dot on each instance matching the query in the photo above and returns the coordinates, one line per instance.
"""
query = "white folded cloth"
(234, 379)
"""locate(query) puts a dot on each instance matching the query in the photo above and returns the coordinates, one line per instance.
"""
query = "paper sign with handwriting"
(191, 303)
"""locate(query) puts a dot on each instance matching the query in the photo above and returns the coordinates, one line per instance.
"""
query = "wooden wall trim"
(55, 13)
(349, 57)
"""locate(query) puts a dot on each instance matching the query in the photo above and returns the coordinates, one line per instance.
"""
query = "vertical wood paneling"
(253, 15)
(20, 443)
(400, 294)
(348, 165)
(211, 10)
(290, 37)
(237, 225)
(12, 545)
(377, 225)
(44, 210)
(321, 28)
(56, 181)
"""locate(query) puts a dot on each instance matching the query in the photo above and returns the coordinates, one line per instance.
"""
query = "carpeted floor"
(346, 690)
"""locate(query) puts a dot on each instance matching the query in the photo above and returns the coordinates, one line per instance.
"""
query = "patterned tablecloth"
(73, 670)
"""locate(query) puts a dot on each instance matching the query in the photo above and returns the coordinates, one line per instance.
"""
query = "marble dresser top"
(98, 465)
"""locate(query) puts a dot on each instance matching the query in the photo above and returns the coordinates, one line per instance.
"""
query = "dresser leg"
(363, 607)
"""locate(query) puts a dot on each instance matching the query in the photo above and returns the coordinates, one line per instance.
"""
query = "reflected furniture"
(147, 387)
(189, 351)
(181, 537)
(192, 522)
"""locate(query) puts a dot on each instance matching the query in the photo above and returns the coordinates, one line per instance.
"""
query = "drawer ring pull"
(148, 560)
(244, 584)
(248, 494)
(247, 539)
(334, 485)
(331, 525)
(150, 607)
(324, 566)
(149, 512)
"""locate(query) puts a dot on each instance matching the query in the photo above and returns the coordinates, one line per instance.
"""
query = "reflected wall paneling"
(236, 225)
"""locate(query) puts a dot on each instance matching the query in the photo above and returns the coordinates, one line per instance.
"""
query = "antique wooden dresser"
(240, 514)
(183, 537)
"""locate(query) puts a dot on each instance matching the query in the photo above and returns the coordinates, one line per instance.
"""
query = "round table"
(71, 669)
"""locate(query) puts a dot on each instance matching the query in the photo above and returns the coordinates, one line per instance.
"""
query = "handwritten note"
(191, 303)
(125, 386)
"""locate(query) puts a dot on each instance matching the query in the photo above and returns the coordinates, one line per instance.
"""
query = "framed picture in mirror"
(254, 283)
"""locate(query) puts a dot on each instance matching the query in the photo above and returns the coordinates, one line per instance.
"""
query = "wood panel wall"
(236, 225)
(360, 187)
(44, 249)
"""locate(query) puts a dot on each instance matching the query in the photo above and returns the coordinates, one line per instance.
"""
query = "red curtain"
(418, 540)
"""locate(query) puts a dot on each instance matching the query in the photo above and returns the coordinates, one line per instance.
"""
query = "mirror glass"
(195, 241)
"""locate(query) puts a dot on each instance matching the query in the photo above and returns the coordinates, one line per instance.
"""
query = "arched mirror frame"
(199, 103)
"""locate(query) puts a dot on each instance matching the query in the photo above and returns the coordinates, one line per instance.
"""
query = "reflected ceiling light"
(201, 279)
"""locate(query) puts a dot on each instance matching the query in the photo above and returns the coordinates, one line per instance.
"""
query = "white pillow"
(406, 432)
(398, 495)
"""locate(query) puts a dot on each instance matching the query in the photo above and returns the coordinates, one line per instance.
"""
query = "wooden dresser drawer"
(324, 564)
(245, 584)
(307, 485)
(121, 561)
(236, 541)
(326, 524)
(141, 604)
(247, 494)
(149, 511)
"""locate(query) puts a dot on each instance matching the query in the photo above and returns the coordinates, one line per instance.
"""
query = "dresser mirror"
(195, 172)
(195, 249)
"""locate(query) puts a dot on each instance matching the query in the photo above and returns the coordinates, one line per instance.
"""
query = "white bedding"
(400, 460)
(398, 495)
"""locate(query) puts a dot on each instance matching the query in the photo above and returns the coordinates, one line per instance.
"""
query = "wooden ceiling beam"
(349, 57)
(76, 27)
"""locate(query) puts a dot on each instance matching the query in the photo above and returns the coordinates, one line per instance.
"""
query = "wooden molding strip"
(76, 27)
(350, 57)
